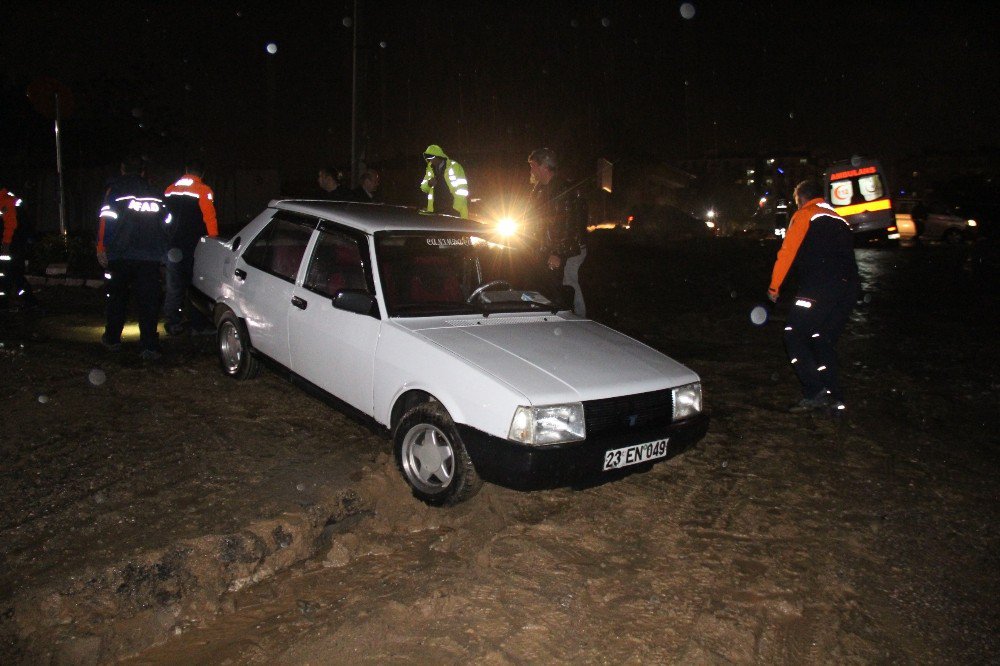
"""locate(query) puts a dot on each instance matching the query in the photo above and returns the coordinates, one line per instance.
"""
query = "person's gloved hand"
(102, 259)
(772, 296)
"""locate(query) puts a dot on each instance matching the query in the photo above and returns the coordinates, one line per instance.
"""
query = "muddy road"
(165, 515)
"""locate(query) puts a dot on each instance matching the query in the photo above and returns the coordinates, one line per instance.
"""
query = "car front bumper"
(524, 467)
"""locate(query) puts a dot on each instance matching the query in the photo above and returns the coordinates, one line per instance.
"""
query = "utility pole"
(355, 148)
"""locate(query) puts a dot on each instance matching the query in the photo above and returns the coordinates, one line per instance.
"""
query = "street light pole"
(354, 103)
(59, 173)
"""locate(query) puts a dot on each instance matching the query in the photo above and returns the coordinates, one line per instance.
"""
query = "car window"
(278, 249)
(335, 265)
(435, 273)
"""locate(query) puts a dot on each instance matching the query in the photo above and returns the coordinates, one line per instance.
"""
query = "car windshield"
(445, 273)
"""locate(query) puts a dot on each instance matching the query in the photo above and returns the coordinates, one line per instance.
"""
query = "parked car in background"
(934, 222)
(435, 330)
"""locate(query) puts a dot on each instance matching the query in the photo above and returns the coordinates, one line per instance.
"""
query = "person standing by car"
(367, 188)
(819, 245)
(445, 184)
(12, 250)
(191, 204)
(561, 223)
(131, 241)
(331, 185)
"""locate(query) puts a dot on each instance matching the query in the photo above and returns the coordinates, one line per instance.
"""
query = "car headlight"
(549, 424)
(687, 400)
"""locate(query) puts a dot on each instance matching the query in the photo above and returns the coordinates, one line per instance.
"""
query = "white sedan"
(440, 333)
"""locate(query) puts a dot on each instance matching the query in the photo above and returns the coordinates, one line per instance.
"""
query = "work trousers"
(141, 280)
(571, 278)
(178, 274)
(816, 320)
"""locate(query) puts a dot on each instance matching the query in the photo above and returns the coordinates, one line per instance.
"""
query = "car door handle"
(241, 274)
(300, 303)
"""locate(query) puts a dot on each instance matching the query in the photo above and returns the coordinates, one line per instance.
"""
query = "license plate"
(635, 454)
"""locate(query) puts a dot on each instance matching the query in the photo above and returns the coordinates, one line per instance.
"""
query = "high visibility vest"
(457, 183)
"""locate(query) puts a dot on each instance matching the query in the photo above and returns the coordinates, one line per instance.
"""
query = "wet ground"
(159, 513)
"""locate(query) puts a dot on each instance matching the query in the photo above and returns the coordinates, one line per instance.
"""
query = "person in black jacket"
(131, 244)
(561, 224)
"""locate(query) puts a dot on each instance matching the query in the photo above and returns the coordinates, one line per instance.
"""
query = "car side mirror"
(354, 300)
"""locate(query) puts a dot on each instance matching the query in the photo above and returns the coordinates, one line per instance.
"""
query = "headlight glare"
(687, 400)
(548, 424)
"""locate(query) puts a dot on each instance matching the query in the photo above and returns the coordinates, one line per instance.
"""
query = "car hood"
(554, 359)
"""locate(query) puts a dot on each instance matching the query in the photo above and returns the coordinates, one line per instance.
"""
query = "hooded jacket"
(455, 179)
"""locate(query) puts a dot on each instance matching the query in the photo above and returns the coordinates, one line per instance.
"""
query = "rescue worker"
(819, 245)
(12, 280)
(561, 219)
(445, 184)
(191, 204)
(131, 241)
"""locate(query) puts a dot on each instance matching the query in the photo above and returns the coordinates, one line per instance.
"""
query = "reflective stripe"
(186, 194)
(802, 303)
(110, 214)
(788, 328)
(17, 203)
(169, 217)
(459, 181)
(821, 368)
(880, 204)
(462, 192)
(183, 182)
(795, 360)
(430, 196)
(815, 335)
(139, 198)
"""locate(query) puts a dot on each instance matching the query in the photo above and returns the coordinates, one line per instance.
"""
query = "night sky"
(591, 78)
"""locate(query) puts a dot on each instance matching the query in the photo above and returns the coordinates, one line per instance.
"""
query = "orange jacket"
(191, 222)
(8, 214)
(796, 234)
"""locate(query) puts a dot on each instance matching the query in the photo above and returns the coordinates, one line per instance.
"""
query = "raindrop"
(175, 254)
(348, 22)
(732, 294)
(300, 487)
(383, 44)
(137, 112)
(557, 332)
(606, 22)
(43, 399)
(96, 377)
(758, 316)
(867, 298)
(725, 463)
(687, 11)
(271, 48)
(574, 23)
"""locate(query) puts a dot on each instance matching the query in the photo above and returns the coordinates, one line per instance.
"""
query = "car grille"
(624, 413)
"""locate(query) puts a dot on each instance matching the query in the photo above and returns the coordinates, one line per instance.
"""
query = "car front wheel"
(432, 457)
(234, 348)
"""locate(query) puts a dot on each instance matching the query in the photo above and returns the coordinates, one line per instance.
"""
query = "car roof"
(369, 217)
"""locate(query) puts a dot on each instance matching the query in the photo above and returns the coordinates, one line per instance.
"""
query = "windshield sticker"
(465, 240)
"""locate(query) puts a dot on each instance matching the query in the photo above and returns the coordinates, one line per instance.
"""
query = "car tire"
(432, 458)
(952, 237)
(234, 348)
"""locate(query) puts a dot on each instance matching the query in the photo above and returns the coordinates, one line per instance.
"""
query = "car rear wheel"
(953, 237)
(234, 348)
(432, 458)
